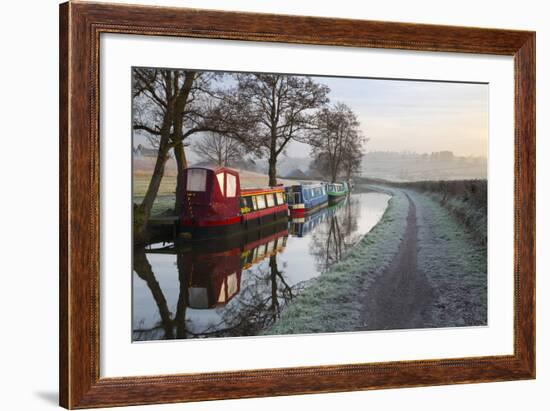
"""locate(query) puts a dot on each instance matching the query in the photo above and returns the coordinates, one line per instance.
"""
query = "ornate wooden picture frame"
(81, 25)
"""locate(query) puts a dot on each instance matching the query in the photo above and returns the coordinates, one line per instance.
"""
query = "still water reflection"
(238, 287)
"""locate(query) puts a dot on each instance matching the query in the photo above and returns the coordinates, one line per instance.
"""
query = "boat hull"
(303, 211)
(200, 232)
(337, 197)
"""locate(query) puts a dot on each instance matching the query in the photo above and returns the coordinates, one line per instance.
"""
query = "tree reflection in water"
(264, 295)
(337, 233)
(144, 270)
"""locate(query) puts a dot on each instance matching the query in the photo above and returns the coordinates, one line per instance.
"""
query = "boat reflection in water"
(239, 286)
(333, 231)
(215, 269)
(210, 274)
(303, 225)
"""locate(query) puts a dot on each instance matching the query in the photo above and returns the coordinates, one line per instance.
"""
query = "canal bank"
(333, 301)
(418, 267)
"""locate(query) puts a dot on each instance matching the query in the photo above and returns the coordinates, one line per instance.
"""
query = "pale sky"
(415, 116)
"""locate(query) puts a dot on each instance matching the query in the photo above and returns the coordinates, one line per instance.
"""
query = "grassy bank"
(454, 263)
(452, 258)
(332, 301)
(466, 200)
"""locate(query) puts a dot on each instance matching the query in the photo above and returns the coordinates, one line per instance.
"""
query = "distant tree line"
(445, 155)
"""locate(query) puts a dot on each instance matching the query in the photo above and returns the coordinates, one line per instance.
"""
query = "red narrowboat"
(214, 204)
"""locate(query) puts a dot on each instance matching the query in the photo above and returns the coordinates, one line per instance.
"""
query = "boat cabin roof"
(256, 191)
(215, 170)
(244, 191)
(309, 185)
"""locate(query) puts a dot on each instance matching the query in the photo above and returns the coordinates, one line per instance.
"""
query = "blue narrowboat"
(306, 197)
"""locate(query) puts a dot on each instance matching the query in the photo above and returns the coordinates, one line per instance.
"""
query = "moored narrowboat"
(306, 198)
(337, 191)
(215, 205)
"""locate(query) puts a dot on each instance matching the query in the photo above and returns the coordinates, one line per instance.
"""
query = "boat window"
(220, 182)
(231, 185)
(249, 203)
(261, 201)
(229, 288)
(261, 252)
(250, 257)
(280, 199)
(270, 200)
(254, 202)
(232, 284)
(221, 297)
(290, 197)
(198, 297)
(196, 179)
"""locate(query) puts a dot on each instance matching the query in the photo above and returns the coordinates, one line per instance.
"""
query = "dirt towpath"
(402, 296)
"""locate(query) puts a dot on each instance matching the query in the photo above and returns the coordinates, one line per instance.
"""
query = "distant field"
(421, 170)
(141, 182)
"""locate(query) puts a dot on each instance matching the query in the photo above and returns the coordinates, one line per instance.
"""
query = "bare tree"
(169, 107)
(353, 156)
(337, 140)
(219, 149)
(282, 108)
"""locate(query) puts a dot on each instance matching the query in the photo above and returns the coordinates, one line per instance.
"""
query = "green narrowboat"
(337, 191)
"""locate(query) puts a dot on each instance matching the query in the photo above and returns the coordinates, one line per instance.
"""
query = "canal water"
(240, 286)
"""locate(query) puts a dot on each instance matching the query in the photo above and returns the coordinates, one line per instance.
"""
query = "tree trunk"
(181, 163)
(179, 151)
(333, 173)
(143, 211)
(183, 300)
(273, 171)
(144, 270)
(274, 299)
